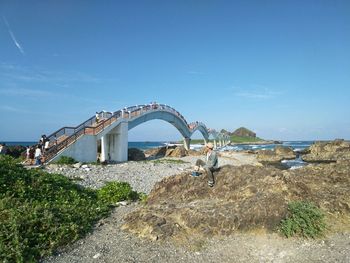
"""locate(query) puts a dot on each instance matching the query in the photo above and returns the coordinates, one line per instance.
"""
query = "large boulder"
(179, 151)
(157, 152)
(277, 155)
(135, 154)
(328, 151)
(182, 207)
(16, 151)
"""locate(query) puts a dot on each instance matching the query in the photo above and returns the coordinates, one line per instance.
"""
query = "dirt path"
(108, 243)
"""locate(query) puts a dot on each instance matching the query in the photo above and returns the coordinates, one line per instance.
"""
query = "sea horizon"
(144, 145)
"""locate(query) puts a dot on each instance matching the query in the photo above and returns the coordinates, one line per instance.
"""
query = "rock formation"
(135, 154)
(328, 151)
(275, 156)
(246, 197)
(179, 151)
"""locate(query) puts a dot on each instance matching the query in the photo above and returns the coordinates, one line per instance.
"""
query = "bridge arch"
(112, 129)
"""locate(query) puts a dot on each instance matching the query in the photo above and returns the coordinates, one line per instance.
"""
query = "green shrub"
(40, 212)
(114, 192)
(303, 219)
(66, 160)
(143, 198)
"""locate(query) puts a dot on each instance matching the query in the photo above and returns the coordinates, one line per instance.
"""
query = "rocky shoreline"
(161, 242)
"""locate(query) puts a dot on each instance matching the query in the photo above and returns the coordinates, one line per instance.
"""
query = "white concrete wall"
(83, 150)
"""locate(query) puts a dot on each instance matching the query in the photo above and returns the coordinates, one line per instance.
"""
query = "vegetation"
(66, 160)
(114, 192)
(303, 219)
(40, 212)
(242, 139)
(174, 161)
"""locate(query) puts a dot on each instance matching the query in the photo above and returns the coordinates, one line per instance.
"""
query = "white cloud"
(20, 48)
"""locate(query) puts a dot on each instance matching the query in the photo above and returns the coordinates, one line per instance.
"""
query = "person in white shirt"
(37, 156)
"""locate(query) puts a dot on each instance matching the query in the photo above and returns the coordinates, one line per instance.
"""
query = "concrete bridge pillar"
(114, 145)
(215, 145)
(187, 142)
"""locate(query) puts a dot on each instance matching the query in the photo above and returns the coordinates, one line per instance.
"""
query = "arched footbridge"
(110, 130)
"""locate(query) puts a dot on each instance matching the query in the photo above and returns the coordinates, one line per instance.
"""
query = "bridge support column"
(114, 145)
(104, 149)
(187, 142)
(215, 145)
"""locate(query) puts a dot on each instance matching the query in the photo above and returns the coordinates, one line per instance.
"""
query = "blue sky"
(279, 68)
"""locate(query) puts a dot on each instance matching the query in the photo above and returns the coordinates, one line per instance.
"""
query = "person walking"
(37, 155)
(211, 163)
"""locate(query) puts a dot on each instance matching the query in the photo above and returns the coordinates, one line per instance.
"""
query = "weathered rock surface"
(179, 151)
(277, 155)
(135, 154)
(245, 197)
(157, 152)
(328, 151)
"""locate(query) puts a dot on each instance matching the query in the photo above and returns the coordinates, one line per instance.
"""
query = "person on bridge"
(210, 165)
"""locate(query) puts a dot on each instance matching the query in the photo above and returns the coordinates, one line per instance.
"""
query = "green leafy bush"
(40, 212)
(66, 160)
(143, 198)
(303, 219)
(114, 192)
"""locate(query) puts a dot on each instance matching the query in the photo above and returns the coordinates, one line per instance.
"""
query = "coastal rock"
(15, 151)
(328, 151)
(179, 151)
(157, 152)
(135, 154)
(243, 198)
(275, 156)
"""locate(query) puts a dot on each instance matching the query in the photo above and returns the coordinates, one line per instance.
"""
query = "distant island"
(240, 135)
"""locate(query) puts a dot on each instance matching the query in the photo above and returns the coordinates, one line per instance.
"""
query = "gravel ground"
(108, 243)
(141, 175)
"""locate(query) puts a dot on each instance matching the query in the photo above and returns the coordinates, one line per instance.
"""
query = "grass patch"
(173, 161)
(303, 219)
(242, 139)
(65, 160)
(40, 212)
(114, 192)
